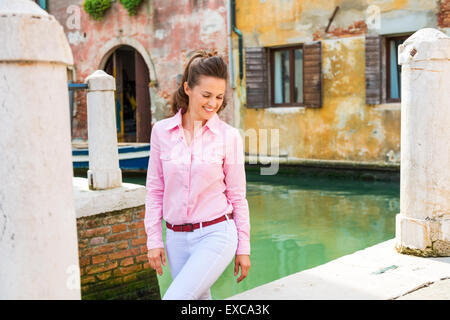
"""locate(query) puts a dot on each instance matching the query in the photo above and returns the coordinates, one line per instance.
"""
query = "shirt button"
(185, 187)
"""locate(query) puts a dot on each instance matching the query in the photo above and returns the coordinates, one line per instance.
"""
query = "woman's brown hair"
(201, 63)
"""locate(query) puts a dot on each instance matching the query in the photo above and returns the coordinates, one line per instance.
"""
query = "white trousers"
(197, 259)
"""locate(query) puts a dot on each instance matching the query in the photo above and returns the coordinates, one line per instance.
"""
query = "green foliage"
(131, 6)
(96, 8)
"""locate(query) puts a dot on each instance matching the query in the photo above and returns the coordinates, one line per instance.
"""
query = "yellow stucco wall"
(344, 128)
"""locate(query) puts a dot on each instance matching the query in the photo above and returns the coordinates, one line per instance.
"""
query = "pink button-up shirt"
(195, 183)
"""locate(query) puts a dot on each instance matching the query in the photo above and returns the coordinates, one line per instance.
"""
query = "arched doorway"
(133, 114)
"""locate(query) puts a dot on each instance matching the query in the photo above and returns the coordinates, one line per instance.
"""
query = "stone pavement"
(439, 290)
(375, 273)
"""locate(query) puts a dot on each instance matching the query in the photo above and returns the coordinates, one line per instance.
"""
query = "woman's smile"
(209, 109)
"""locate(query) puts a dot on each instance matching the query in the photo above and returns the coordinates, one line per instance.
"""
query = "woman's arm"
(234, 170)
(154, 194)
(154, 205)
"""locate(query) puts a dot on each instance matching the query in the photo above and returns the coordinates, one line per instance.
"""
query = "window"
(383, 73)
(393, 69)
(287, 76)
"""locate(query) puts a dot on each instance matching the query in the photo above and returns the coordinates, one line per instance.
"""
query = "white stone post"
(38, 233)
(423, 225)
(104, 171)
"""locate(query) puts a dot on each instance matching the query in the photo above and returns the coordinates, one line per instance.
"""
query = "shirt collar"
(176, 121)
(213, 123)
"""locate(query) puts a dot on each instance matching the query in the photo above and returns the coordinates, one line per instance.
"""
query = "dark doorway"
(133, 115)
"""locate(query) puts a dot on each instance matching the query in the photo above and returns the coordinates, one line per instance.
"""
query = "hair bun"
(210, 53)
(203, 54)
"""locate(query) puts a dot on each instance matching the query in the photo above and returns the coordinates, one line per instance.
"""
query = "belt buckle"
(188, 224)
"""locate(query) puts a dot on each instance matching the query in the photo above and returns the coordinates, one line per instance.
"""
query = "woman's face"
(206, 98)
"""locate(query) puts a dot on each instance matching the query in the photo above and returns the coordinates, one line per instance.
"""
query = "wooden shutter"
(143, 112)
(373, 69)
(312, 74)
(256, 77)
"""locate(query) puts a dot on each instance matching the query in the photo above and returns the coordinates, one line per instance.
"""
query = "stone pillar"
(38, 234)
(104, 171)
(423, 225)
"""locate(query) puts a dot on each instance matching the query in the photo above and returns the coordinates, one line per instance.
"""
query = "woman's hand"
(155, 256)
(242, 260)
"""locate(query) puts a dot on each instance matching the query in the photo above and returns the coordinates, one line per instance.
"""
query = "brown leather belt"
(189, 227)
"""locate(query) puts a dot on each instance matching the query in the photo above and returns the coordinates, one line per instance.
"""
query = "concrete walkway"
(439, 290)
(375, 273)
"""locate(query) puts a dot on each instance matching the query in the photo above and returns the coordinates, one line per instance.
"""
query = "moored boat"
(132, 156)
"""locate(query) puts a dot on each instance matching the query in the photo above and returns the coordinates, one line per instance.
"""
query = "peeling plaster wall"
(166, 29)
(344, 128)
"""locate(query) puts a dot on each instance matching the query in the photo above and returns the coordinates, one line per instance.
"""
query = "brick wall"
(113, 256)
(444, 14)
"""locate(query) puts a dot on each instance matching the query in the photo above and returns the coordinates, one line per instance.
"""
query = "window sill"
(388, 106)
(286, 109)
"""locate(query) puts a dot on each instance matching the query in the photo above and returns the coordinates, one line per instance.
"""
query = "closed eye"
(208, 97)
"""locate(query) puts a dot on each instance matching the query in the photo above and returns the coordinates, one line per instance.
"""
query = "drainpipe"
(230, 47)
(43, 4)
(239, 33)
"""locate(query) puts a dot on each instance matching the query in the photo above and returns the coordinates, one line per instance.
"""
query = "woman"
(196, 183)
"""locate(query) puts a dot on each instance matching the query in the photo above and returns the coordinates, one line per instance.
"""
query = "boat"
(132, 156)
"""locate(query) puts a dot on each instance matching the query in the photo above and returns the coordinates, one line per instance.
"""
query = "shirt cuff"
(243, 247)
(154, 244)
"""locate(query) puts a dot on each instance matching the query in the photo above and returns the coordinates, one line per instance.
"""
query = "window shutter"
(312, 75)
(373, 69)
(256, 77)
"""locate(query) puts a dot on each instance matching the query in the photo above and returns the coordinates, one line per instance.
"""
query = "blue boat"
(132, 156)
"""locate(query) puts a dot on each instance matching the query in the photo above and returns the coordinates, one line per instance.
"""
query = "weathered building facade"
(330, 73)
(323, 73)
(145, 52)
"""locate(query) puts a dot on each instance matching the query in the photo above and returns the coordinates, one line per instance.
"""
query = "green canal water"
(300, 222)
